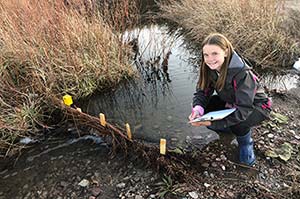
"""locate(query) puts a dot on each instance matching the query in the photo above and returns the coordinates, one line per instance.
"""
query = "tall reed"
(254, 26)
(48, 48)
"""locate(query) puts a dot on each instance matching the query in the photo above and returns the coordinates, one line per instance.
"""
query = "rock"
(205, 165)
(24, 187)
(96, 191)
(214, 164)
(193, 195)
(121, 185)
(206, 173)
(63, 184)
(138, 197)
(223, 157)
(230, 194)
(223, 167)
(234, 143)
(84, 183)
(206, 185)
(169, 118)
(156, 127)
(270, 135)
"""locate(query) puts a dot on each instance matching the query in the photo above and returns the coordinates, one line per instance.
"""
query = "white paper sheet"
(214, 115)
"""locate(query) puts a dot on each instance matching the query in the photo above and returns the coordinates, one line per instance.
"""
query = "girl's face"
(214, 56)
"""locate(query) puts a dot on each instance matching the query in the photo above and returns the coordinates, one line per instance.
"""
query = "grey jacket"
(242, 90)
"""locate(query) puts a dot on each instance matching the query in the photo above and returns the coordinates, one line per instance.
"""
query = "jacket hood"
(236, 65)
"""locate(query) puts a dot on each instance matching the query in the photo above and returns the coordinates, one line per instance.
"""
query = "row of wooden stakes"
(67, 99)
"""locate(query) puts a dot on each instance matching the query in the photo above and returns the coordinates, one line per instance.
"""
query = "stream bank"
(84, 168)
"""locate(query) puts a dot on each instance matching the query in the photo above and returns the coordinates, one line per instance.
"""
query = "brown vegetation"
(255, 27)
(47, 49)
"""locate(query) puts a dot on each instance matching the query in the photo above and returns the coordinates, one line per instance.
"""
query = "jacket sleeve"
(201, 97)
(245, 88)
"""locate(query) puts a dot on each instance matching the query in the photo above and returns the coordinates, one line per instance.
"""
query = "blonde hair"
(205, 78)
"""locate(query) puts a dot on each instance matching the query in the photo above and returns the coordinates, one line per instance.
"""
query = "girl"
(224, 71)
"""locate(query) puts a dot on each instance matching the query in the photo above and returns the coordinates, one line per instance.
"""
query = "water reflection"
(158, 103)
(281, 82)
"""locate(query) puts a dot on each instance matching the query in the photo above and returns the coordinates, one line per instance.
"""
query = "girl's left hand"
(205, 123)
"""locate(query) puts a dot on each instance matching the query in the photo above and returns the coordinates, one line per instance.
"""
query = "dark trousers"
(257, 116)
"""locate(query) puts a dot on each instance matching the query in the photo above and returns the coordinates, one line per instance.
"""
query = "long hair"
(205, 78)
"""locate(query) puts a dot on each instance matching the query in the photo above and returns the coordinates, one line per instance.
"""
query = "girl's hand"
(205, 123)
(197, 111)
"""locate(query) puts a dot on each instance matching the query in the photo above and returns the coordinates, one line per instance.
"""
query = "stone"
(223, 157)
(193, 194)
(84, 183)
(205, 165)
(121, 185)
(96, 191)
(223, 167)
(214, 164)
(138, 197)
(230, 194)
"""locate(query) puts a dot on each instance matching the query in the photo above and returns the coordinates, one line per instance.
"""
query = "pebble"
(96, 191)
(138, 197)
(156, 127)
(121, 185)
(261, 142)
(24, 187)
(230, 194)
(223, 157)
(84, 183)
(223, 167)
(205, 165)
(214, 164)
(193, 195)
(270, 135)
(205, 173)
(206, 185)
(169, 118)
(63, 184)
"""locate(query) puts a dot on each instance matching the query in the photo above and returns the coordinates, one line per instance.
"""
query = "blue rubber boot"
(246, 155)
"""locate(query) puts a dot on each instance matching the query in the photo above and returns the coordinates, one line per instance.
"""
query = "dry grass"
(254, 27)
(49, 49)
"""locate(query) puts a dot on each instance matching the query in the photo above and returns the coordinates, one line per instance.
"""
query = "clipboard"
(214, 115)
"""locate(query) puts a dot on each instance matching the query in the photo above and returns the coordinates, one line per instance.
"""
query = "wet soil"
(86, 169)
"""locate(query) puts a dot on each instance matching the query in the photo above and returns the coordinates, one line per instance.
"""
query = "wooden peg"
(128, 131)
(102, 119)
(162, 146)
